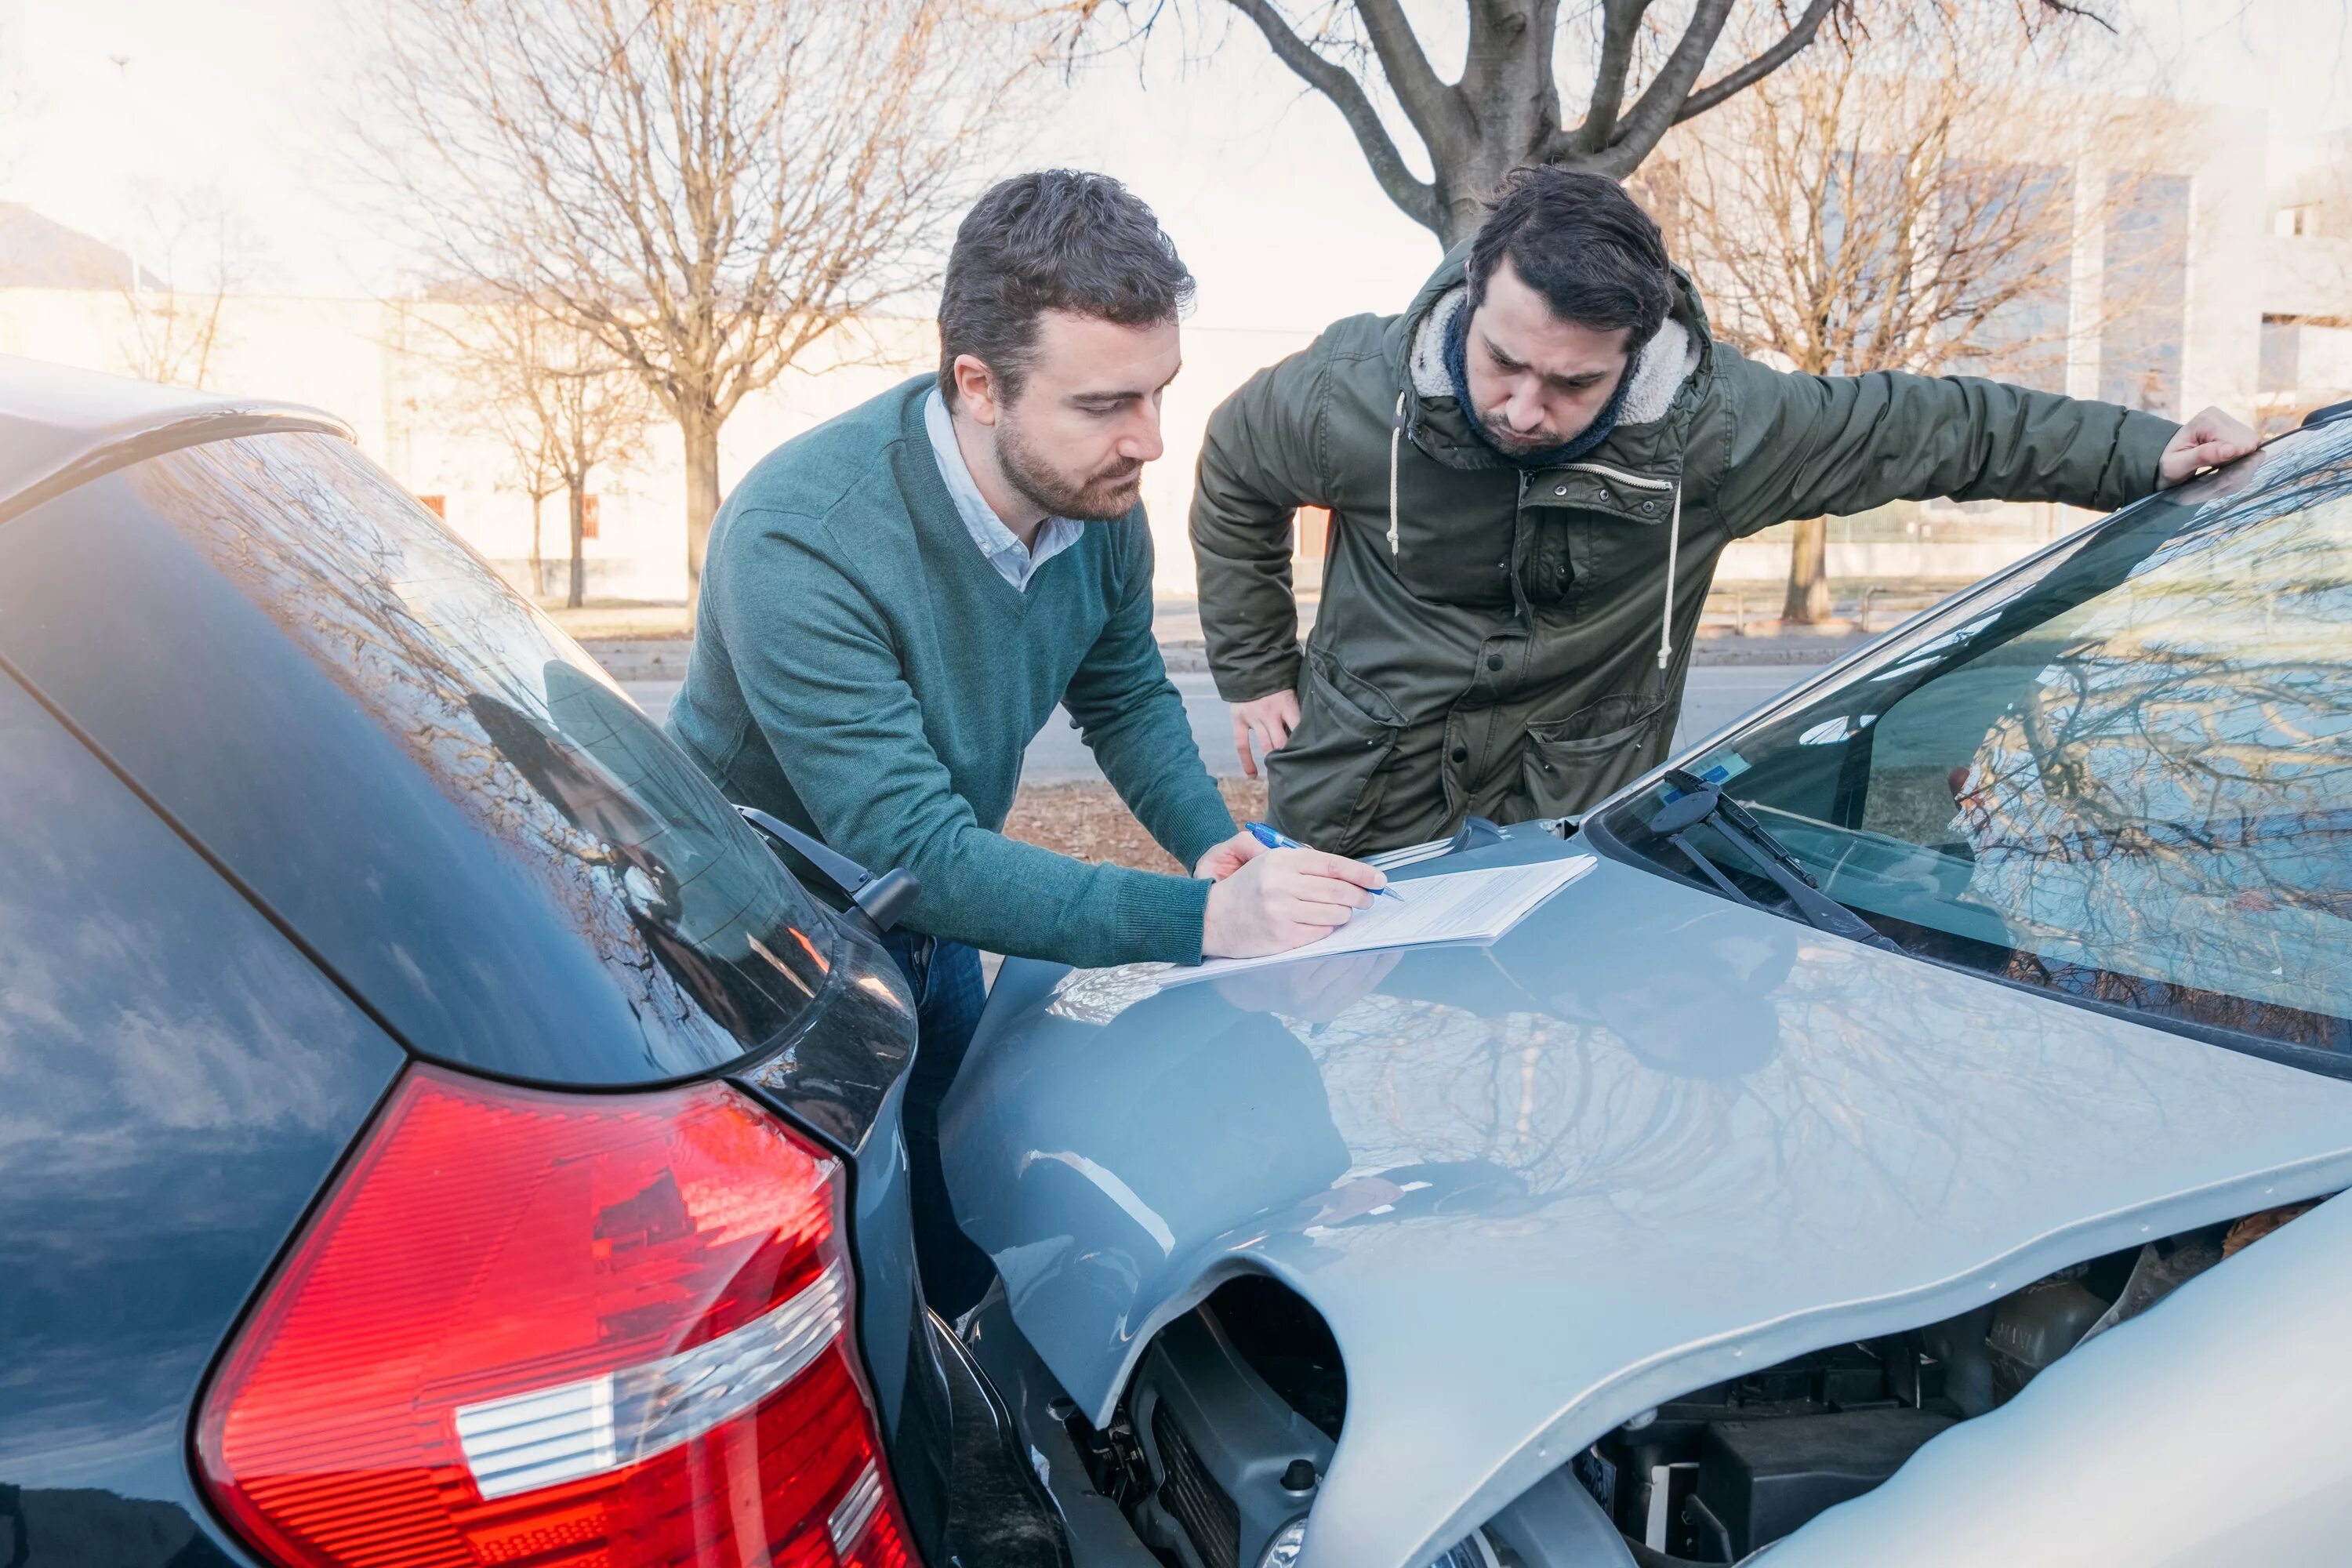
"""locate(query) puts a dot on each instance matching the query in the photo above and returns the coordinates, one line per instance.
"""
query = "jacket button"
(1461, 754)
(1560, 492)
(1650, 508)
(1494, 661)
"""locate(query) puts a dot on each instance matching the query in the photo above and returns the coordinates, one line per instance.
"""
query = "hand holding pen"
(1269, 895)
(1273, 839)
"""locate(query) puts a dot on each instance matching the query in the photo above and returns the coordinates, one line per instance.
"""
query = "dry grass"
(1090, 822)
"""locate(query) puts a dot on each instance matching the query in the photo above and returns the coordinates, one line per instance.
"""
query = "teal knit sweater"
(861, 670)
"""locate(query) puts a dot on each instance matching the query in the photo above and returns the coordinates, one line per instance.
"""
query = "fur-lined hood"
(1679, 355)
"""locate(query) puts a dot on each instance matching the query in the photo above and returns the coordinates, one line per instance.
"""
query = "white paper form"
(1454, 906)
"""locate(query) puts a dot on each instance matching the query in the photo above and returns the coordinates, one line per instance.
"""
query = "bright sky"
(109, 107)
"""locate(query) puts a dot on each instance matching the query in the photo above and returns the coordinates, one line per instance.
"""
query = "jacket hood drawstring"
(1667, 609)
(1396, 435)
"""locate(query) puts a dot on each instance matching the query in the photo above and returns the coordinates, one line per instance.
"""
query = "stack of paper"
(1456, 906)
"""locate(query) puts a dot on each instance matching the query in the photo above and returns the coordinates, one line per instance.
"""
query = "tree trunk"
(577, 494)
(1809, 577)
(538, 561)
(699, 429)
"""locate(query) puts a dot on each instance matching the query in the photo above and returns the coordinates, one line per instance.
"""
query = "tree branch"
(1655, 110)
(1434, 108)
(1417, 198)
(1800, 35)
(1621, 25)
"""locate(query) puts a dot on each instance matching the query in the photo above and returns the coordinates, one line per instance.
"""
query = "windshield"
(2123, 774)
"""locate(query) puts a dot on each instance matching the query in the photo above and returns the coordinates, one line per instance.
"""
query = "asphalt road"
(1717, 694)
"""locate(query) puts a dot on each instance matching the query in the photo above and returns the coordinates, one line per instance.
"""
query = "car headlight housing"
(1284, 1549)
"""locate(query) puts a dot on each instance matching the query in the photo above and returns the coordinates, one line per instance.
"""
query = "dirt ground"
(1088, 820)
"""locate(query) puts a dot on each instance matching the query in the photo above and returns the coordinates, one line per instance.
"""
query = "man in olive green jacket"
(1527, 510)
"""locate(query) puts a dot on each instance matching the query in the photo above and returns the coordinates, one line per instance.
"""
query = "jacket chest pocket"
(1454, 534)
(1551, 570)
(1612, 555)
(1572, 553)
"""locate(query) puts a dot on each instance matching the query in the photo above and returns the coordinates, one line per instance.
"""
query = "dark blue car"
(434, 1128)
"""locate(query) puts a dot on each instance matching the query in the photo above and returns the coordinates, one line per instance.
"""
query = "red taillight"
(559, 1330)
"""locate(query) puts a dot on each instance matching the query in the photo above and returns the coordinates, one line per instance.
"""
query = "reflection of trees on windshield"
(473, 683)
(2166, 808)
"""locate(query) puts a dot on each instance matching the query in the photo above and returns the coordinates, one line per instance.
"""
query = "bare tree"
(1645, 63)
(1919, 216)
(531, 450)
(189, 253)
(563, 404)
(705, 187)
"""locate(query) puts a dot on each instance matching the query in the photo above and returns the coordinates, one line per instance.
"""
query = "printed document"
(1454, 906)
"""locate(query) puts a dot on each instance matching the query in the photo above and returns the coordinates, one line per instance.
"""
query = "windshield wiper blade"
(1702, 801)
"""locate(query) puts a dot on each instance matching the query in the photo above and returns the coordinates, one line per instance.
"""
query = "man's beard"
(1105, 496)
(1518, 446)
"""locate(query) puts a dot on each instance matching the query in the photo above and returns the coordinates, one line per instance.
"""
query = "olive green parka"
(1502, 641)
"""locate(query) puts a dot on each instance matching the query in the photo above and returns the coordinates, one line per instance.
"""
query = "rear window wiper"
(1702, 801)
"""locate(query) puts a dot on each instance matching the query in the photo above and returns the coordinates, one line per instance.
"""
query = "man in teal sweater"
(894, 603)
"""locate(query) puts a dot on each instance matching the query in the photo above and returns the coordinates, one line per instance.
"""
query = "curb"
(641, 659)
(664, 658)
(1192, 657)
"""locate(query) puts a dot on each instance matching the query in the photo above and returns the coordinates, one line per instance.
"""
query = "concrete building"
(2193, 279)
(2306, 293)
(2251, 307)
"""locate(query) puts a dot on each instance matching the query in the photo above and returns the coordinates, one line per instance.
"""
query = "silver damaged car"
(1910, 1143)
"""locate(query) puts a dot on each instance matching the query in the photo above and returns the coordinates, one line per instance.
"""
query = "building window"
(437, 505)
(587, 517)
(2295, 222)
(2282, 368)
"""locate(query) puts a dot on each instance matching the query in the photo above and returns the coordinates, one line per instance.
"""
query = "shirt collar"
(1016, 561)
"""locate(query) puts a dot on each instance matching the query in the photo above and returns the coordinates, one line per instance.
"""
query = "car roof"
(59, 426)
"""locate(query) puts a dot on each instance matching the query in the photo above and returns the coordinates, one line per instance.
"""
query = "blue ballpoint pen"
(1273, 840)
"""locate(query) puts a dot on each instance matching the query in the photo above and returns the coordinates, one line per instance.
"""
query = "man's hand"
(1285, 898)
(2211, 439)
(1223, 859)
(1269, 720)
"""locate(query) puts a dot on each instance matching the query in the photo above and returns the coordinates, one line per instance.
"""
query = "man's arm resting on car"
(1811, 444)
(2211, 438)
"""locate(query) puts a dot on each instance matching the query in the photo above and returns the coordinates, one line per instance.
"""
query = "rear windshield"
(713, 946)
(2123, 775)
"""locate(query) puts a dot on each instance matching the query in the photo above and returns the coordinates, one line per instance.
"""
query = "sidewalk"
(639, 642)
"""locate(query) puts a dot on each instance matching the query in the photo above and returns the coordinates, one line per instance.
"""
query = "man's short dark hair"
(1059, 239)
(1580, 241)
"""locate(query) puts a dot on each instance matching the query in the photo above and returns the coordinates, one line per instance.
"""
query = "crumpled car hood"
(1648, 1140)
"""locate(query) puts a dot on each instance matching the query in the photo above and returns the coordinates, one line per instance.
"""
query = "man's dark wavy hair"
(1580, 241)
(1059, 239)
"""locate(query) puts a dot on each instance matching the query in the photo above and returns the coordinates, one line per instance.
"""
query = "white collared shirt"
(1016, 561)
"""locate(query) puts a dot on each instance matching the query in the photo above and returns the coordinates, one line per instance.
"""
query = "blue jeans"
(948, 996)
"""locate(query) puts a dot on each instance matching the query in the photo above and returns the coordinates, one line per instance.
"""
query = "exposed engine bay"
(1233, 1416)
